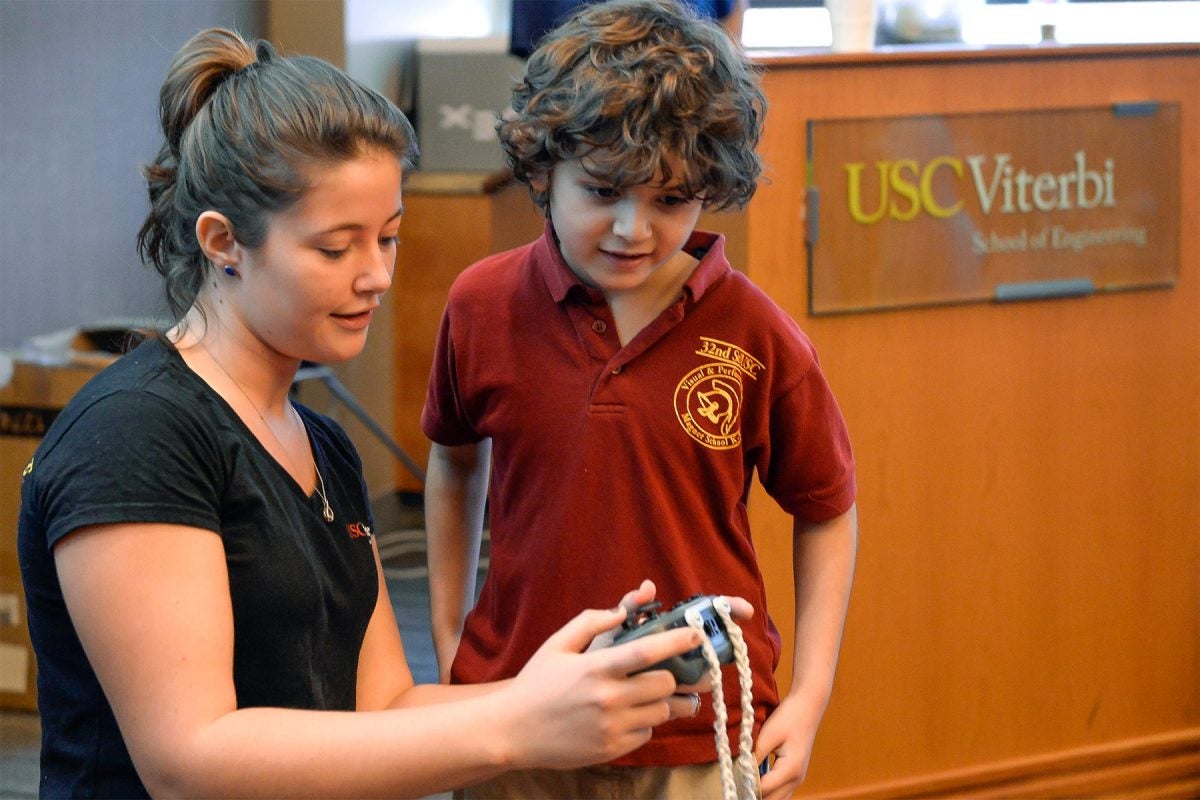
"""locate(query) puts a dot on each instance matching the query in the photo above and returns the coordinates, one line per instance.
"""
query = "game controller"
(691, 666)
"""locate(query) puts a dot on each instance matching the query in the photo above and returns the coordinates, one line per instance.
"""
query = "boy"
(622, 383)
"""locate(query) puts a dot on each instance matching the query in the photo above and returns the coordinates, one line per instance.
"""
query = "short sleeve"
(444, 418)
(810, 467)
(130, 456)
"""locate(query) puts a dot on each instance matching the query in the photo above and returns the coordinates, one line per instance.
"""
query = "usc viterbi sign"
(942, 209)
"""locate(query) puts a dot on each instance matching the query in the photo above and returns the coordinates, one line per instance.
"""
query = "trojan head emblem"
(719, 404)
(708, 403)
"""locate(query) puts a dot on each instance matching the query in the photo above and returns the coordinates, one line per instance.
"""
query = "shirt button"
(599, 326)
(616, 371)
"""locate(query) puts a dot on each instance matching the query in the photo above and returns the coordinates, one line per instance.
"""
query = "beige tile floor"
(19, 739)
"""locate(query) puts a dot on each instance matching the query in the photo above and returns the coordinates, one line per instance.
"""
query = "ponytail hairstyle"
(242, 129)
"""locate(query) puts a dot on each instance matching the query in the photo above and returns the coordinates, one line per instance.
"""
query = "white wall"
(79, 87)
(368, 20)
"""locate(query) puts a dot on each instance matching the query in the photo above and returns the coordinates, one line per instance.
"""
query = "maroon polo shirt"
(612, 464)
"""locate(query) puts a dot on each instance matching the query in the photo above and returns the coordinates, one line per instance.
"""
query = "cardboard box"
(29, 402)
(463, 87)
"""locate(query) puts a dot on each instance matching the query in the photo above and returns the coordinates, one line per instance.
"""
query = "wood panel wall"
(450, 222)
(1026, 615)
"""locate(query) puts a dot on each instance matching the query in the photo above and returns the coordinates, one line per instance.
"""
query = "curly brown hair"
(631, 83)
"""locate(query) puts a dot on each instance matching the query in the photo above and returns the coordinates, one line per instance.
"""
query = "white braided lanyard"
(745, 729)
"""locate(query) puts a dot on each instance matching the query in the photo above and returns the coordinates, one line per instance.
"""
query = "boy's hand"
(788, 734)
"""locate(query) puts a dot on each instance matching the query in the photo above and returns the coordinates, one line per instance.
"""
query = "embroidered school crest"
(708, 400)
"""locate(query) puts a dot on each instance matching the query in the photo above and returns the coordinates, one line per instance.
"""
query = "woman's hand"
(685, 702)
(630, 603)
(574, 708)
(740, 609)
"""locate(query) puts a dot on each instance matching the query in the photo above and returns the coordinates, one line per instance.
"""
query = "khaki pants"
(696, 782)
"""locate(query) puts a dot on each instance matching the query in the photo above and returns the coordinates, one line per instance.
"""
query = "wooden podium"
(1026, 615)
(450, 221)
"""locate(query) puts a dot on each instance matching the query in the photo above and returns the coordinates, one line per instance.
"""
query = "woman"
(205, 595)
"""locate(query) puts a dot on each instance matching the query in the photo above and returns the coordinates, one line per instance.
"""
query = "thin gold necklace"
(326, 510)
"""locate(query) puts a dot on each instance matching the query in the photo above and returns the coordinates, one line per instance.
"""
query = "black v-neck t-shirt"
(147, 440)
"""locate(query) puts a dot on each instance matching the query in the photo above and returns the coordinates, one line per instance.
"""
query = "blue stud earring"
(230, 271)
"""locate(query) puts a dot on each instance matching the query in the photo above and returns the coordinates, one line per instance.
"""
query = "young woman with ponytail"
(205, 596)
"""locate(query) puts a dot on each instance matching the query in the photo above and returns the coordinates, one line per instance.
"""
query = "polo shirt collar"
(707, 247)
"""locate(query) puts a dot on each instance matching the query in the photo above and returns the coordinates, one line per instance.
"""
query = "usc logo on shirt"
(359, 530)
